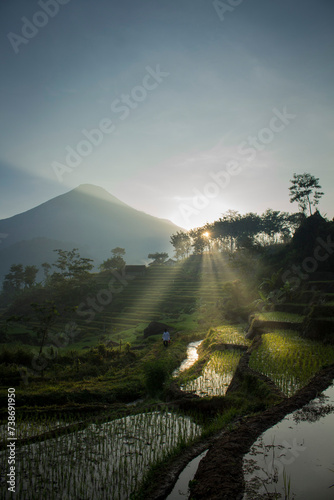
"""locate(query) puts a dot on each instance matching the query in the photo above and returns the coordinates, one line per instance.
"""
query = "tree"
(182, 243)
(118, 252)
(304, 186)
(199, 244)
(14, 279)
(115, 262)
(227, 228)
(246, 227)
(274, 225)
(71, 265)
(29, 276)
(292, 223)
(46, 268)
(158, 257)
(46, 314)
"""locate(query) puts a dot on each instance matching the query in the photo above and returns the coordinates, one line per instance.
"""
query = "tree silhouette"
(45, 316)
(158, 257)
(303, 187)
(115, 262)
(182, 243)
(29, 276)
(15, 278)
(71, 265)
(19, 277)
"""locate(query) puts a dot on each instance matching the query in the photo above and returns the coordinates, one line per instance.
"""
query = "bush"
(10, 375)
(157, 373)
(19, 356)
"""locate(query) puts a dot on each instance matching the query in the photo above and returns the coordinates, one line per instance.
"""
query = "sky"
(183, 109)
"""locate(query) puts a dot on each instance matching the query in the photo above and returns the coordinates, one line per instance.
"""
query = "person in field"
(166, 338)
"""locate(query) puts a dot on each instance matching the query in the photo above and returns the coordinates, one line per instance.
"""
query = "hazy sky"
(181, 108)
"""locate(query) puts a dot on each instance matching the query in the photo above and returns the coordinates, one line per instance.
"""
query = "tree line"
(233, 231)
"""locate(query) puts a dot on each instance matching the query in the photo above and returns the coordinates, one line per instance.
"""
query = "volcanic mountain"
(88, 218)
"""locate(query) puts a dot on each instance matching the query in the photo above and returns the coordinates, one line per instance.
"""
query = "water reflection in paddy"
(216, 376)
(192, 357)
(104, 460)
(181, 488)
(296, 453)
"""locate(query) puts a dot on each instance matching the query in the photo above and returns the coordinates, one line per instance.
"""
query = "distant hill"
(88, 218)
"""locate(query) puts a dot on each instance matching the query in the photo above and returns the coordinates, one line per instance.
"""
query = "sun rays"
(199, 286)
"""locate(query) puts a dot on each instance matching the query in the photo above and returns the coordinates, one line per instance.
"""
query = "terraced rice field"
(290, 360)
(216, 375)
(227, 334)
(294, 458)
(104, 460)
(162, 292)
(280, 316)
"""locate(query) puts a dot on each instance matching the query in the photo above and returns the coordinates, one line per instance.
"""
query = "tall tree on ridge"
(303, 187)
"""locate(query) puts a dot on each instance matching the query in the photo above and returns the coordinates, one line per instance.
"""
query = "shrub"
(19, 356)
(157, 374)
(10, 375)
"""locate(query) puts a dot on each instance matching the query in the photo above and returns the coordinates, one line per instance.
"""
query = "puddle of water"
(297, 452)
(102, 461)
(181, 488)
(192, 357)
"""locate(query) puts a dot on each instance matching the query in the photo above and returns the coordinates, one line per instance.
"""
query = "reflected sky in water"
(300, 448)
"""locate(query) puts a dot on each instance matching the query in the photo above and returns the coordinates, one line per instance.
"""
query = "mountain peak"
(96, 192)
(88, 218)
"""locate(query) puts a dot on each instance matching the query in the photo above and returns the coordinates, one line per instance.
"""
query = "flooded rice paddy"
(216, 376)
(104, 460)
(27, 429)
(290, 360)
(294, 459)
(181, 488)
(108, 460)
(192, 357)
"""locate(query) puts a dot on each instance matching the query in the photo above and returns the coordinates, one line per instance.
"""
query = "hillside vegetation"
(84, 349)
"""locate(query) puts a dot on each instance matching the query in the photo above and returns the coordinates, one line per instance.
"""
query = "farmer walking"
(166, 338)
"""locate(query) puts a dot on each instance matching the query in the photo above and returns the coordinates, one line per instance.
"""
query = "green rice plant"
(280, 316)
(104, 460)
(36, 426)
(290, 360)
(225, 334)
(216, 376)
(287, 485)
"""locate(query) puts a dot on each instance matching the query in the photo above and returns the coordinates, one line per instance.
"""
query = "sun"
(206, 235)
